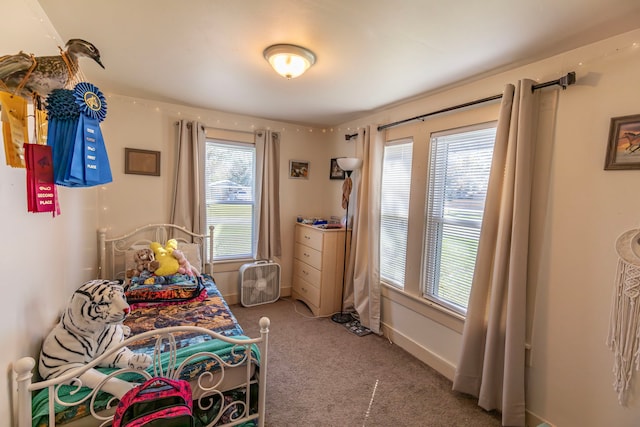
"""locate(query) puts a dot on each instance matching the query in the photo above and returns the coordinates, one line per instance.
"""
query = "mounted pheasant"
(28, 75)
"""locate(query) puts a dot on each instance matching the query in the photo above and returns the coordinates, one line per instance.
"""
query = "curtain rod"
(563, 81)
(204, 126)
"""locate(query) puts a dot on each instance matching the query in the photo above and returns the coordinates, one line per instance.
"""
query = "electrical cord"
(306, 316)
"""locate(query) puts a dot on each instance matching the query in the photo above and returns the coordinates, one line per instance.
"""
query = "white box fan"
(259, 283)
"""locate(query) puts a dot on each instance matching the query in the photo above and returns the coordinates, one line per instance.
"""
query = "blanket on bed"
(166, 290)
(213, 313)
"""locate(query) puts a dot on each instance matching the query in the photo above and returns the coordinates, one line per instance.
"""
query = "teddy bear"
(185, 265)
(168, 264)
(144, 260)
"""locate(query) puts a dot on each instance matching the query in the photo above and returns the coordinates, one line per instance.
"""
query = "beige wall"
(43, 259)
(569, 377)
(135, 200)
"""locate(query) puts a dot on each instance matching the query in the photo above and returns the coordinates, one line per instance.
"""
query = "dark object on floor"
(342, 317)
(356, 328)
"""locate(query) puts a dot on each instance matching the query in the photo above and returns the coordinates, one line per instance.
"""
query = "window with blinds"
(230, 197)
(459, 167)
(394, 211)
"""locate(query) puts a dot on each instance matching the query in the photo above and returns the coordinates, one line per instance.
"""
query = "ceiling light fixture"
(289, 60)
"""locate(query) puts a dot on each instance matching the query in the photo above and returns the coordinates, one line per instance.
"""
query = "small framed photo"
(299, 169)
(623, 150)
(141, 162)
(335, 171)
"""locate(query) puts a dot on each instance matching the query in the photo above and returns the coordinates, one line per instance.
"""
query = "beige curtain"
(188, 205)
(268, 243)
(492, 361)
(363, 268)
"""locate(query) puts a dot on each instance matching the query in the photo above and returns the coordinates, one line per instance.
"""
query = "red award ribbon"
(42, 195)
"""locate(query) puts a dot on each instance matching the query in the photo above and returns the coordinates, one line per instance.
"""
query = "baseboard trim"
(532, 420)
(233, 299)
(421, 353)
(441, 365)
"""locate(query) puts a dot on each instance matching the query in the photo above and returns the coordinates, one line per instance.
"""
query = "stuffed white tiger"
(90, 325)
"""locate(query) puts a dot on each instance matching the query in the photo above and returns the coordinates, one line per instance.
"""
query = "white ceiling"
(371, 53)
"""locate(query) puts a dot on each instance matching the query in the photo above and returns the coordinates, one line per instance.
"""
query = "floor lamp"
(348, 165)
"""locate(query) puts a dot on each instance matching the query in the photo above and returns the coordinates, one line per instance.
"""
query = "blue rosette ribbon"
(62, 117)
(89, 163)
(90, 101)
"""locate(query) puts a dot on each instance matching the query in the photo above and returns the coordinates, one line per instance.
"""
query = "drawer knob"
(305, 272)
(306, 254)
(307, 237)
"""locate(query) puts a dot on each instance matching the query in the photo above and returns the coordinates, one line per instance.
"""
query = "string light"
(215, 120)
(42, 20)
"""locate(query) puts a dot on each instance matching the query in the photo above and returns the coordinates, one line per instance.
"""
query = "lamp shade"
(349, 164)
(289, 60)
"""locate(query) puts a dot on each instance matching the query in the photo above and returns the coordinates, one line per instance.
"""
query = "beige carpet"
(322, 375)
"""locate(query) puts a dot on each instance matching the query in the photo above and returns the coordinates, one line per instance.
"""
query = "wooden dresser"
(317, 268)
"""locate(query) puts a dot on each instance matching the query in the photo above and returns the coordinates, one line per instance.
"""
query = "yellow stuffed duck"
(164, 255)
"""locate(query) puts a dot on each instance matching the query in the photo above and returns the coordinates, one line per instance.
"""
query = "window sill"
(424, 307)
(230, 265)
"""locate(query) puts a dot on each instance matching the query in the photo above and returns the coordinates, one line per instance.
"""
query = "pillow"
(192, 252)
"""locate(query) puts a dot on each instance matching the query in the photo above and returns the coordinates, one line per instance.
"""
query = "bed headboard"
(112, 251)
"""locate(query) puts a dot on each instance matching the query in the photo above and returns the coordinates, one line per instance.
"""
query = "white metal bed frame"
(230, 376)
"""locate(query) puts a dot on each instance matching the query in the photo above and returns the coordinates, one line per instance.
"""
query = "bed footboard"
(248, 355)
(24, 372)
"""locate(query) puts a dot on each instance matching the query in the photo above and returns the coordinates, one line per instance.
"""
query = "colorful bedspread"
(212, 313)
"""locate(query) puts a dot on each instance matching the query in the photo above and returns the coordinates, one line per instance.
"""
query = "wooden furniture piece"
(318, 262)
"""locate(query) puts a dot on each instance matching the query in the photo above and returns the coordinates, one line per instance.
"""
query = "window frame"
(236, 258)
(410, 297)
(388, 144)
(437, 252)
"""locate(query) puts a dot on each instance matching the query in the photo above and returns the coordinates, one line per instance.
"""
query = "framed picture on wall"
(299, 169)
(623, 149)
(335, 172)
(141, 162)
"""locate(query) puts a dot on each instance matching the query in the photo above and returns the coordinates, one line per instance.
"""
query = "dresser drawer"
(309, 237)
(306, 291)
(308, 255)
(308, 273)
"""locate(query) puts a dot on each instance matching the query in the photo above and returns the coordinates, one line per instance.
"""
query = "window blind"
(394, 211)
(230, 197)
(458, 176)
